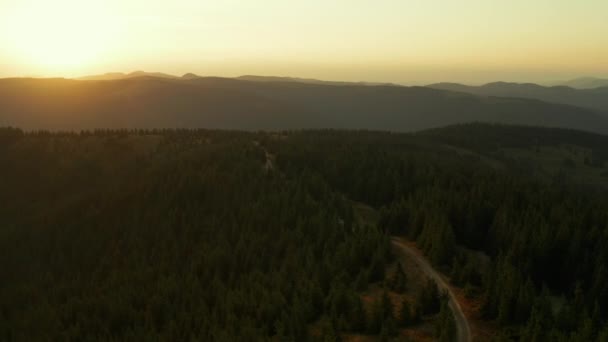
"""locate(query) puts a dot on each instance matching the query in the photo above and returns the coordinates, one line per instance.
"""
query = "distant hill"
(304, 80)
(592, 98)
(120, 76)
(586, 83)
(190, 76)
(207, 102)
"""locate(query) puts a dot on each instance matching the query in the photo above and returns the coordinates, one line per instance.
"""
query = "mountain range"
(149, 101)
(585, 83)
(120, 76)
(110, 76)
(596, 98)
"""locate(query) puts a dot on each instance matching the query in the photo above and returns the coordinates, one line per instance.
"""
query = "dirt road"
(462, 325)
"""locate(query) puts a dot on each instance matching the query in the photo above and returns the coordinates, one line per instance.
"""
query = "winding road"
(462, 325)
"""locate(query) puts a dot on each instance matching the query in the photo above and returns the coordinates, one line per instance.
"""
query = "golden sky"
(402, 41)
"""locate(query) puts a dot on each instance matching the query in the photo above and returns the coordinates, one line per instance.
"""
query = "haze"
(399, 41)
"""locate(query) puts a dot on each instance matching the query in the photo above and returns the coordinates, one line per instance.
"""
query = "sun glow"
(59, 37)
(401, 41)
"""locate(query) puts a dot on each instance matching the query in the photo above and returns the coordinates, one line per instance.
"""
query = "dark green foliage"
(171, 235)
(429, 299)
(186, 235)
(406, 315)
(437, 239)
(455, 188)
(445, 327)
(398, 282)
(376, 270)
(382, 316)
(389, 329)
(329, 332)
(344, 307)
(395, 218)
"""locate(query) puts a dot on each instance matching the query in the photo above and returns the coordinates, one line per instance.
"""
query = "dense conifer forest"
(196, 235)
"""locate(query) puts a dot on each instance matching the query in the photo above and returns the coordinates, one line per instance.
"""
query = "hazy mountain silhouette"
(190, 76)
(207, 102)
(586, 83)
(304, 80)
(596, 98)
(120, 76)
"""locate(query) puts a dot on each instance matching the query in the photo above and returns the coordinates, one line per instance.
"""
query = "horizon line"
(160, 74)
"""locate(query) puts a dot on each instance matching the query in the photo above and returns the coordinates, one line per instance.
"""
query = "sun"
(62, 36)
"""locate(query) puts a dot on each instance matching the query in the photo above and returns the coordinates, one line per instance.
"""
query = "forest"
(204, 235)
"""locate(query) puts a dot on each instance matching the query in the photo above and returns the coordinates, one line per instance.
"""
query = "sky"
(400, 41)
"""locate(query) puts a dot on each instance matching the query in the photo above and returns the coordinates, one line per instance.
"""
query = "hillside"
(152, 102)
(596, 98)
(190, 235)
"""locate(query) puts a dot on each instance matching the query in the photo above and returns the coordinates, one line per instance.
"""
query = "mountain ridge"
(585, 83)
(596, 98)
(227, 103)
(110, 76)
(254, 78)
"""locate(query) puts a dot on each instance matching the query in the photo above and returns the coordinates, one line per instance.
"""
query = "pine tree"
(445, 327)
(429, 299)
(389, 329)
(405, 314)
(398, 282)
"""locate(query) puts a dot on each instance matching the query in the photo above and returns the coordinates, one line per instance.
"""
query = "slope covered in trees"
(169, 236)
(185, 235)
(458, 193)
